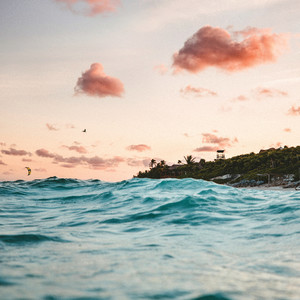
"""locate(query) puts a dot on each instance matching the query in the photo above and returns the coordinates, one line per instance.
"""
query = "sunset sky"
(147, 79)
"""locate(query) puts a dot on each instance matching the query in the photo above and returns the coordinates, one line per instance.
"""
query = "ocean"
(147, 239)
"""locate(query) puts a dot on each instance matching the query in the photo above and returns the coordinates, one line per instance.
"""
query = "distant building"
(220, 154)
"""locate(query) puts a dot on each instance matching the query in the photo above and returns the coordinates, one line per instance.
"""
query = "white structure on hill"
(220, 154)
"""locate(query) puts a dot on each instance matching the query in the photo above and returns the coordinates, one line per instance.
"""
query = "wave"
(162, 194)
(147, 239)
(22, 239)
(142, 203)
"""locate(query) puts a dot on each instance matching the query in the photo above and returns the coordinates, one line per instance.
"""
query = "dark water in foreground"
(147, 239)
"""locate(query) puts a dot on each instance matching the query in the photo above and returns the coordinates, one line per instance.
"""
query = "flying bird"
(29, 170)
(84, 130)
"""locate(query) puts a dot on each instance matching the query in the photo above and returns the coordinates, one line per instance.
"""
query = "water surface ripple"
(147, 239)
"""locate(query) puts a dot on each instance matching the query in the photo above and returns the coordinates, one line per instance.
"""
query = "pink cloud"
(2, 144)
(70, 166)
(287, 129)
(198, 92)
(79, 149)
(94, 82)
(269, 92)
(44, 153)
(294, 111)
(215, 47)
(240, 98)
(40, 170)
(2, 163)
(139, 148)
(15, 152)
(52, 127)
(133, 162)
(206, 149)
(90, 7)
(26, 159)
(162, 69)
(95, 162)
(98, 163)
(221, 141)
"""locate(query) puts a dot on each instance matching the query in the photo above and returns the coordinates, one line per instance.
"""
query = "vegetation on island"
(281, 163)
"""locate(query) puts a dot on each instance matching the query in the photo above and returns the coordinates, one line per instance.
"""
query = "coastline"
(266, 187)
(273, 169)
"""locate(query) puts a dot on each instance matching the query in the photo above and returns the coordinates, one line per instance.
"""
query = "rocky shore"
(262, 184)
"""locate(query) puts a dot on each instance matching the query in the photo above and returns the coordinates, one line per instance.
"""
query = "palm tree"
(162, 163)
(152, 163)
(189, 159)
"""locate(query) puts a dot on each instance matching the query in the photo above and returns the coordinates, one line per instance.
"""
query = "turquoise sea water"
(147, 239)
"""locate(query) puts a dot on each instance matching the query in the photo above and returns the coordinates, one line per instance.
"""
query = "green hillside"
(275, 163)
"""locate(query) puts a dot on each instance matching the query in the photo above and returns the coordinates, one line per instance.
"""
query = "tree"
(152, 163)
(189, 159)
(162, 163)
(202, 162)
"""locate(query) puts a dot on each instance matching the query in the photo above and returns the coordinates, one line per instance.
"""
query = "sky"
(147, 79)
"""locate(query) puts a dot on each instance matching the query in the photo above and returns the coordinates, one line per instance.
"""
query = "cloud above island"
(90, 7)
(219, 142)
(197, 92)
(134, 162)
(206, 149)
(216, 47)
(139, 148)
(94, 82)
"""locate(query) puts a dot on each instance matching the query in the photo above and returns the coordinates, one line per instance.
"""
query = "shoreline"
(266, 187)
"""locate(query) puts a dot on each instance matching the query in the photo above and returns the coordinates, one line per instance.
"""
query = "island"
(271, 167)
